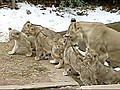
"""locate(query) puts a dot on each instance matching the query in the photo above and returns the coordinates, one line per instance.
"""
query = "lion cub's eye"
(58, 46)
(95, 56)
(28, 25)
(32, 28)
(88, 55)
(17, 33)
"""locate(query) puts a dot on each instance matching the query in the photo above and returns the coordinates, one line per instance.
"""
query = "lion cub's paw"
(29, 54)
(58, 66)
(65, 73)
(11, 53)
(37, 58)
(53, 61)
(46, 57)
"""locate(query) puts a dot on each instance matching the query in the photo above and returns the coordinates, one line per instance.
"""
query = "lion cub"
(104, 74)
(57, 52)
(74, 59)
(20, 39)
(44, 37)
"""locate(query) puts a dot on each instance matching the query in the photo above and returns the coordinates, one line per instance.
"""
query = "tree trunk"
(13, 4)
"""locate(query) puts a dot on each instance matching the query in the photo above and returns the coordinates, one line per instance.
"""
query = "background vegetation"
(107, 4)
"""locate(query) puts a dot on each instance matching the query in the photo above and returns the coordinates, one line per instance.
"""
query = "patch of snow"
(80, 51)
(117, 69)
(16, 18)
(106, 64)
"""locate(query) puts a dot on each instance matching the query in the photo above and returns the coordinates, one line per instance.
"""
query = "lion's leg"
(45, 55)
(59, 64)
(39, 51)
(29, 49)
(86, 81)
(66, 69)
(101, 49)
(15, 48)
(38, 54)
(106, 54)
(103, 57)
(103, 54)
(53, 61)
(83, 77)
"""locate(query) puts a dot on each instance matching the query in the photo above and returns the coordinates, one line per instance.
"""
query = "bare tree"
(1, 2)
(13, 4)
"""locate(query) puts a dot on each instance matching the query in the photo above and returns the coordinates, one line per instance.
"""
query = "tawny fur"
(20, 39)
(44, 37)
(73, 59)
(57, 52)
(100, 38)
(104, 74)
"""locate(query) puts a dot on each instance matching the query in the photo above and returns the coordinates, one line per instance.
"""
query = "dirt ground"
(18, 69)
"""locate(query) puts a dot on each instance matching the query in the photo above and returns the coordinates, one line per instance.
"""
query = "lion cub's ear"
(73, 20)
(9, 29)
(29, 25)
(28, 22)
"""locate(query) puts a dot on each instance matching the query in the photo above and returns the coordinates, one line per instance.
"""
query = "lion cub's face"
(64, 41)
(60, 45)
(61, 41)
(14, 34)
(27, 28)
(90, 54)
(31, 29)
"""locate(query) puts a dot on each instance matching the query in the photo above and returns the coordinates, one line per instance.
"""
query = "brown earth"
(18, 69)
(21, 70)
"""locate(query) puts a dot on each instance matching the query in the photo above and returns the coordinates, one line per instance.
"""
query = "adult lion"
(100, 38)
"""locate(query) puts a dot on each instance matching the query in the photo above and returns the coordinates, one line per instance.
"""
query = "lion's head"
(74, 32)
(14, 34)
(30, 29)
(90, 54)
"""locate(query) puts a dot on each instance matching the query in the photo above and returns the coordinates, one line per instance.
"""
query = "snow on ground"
(16, 18)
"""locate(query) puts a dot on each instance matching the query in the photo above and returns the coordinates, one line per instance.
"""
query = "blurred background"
(107, 5)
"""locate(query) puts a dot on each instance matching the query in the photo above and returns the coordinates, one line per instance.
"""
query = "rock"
(28, 12)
